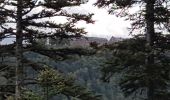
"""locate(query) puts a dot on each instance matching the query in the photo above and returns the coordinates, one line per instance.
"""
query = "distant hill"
(81, 42)
(85, 41)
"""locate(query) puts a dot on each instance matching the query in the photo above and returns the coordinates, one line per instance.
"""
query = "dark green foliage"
(30, 95)
(61, 53)
(55, 83)
(129, 60)
(94, 45)
(27, 21)
(6, 76)
(143, 68)
(86, 70)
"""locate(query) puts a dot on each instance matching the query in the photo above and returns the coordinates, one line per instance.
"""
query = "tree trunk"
(150, 36)
(150, 31)
(18, 69)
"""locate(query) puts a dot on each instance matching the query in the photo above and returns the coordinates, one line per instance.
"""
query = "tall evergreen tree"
(153, 18)
(29, 20)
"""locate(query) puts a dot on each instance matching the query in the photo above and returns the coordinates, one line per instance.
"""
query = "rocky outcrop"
(114, 39)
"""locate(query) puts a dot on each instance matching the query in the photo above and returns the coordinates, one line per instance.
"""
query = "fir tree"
(55, 82)
(29, 20)
(152, 16)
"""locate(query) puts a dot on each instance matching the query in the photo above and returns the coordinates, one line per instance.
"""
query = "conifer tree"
(29, 20)
(149, 59)
(55, 82)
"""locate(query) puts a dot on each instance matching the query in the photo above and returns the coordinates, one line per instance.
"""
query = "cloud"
(105, 25)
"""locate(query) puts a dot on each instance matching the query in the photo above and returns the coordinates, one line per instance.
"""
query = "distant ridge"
(85, 41)
(79, 42)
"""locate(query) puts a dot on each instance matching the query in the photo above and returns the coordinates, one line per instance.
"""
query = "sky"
(106, 25)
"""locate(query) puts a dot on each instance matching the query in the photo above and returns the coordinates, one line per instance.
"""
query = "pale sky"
(105, 25)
